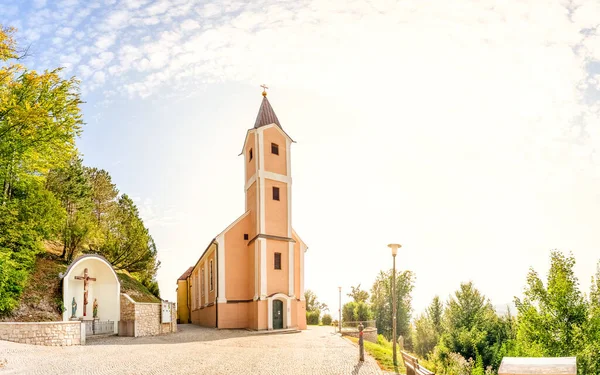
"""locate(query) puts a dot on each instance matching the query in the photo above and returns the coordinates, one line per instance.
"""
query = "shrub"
(362, 312)
(312, 317)
(326, 320)
(349, 312)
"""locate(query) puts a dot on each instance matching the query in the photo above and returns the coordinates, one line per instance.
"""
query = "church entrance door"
(277, 314)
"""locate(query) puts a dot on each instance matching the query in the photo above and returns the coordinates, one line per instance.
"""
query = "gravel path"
(194, 350)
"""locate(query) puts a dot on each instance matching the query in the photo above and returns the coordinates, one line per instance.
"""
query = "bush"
(312, 317)
(326, 320)
(349, 312)
(362, 312)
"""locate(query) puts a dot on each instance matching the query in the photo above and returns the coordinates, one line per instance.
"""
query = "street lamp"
(340, 310)
(394, 247)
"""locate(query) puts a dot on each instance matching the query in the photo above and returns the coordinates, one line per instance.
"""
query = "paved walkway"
(194, 350)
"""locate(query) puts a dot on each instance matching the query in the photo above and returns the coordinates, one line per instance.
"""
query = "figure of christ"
(86, 279)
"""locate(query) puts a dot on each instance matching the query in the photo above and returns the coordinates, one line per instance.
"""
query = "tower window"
(275, 193)
(274, 149)
(250, 155)
(246, 236)
(277, 261)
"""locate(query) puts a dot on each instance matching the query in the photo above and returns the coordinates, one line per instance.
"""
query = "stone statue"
(73, 308)
(95, 308)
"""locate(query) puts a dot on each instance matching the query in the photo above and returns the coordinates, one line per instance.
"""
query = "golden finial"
(264, 93)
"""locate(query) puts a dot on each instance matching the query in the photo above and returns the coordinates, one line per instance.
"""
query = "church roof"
(186, 274)
(266, 115)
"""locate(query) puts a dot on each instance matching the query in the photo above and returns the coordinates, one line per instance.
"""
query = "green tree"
(435, 313)
(358, 295)
(71, 186)
(128, 244)
(381, 303)
(428, 328)
(349, 312)
(312, 303)
(472, 327)
(425, 338)
(552, 316)
(362, 312)
(555, 319)
(103, 192)
(39, 119)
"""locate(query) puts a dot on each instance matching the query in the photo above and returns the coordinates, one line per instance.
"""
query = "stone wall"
(143, 319)
(44, 333)
(369, 334)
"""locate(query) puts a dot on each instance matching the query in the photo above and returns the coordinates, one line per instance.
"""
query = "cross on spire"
(264, 93)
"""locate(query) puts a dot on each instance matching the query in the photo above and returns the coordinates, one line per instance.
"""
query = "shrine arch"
(103, 286)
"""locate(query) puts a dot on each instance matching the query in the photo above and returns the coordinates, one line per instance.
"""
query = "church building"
(251, 275)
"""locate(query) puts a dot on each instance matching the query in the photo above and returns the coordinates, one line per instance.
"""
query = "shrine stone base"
(44, 333)
(144, 319)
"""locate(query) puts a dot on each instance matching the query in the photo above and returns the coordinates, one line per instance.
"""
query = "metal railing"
(96, 327)
(353, 326)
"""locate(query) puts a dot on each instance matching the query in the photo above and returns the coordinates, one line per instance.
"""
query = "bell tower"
(268, 190)
(268, 182)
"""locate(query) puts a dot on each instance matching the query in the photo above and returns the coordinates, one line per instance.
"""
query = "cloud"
(189, 24)
(64, 31)
(39, 3)
(105, 41)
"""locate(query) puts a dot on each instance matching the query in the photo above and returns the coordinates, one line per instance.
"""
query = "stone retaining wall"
(44, 333)
(369, 334)
(143, 319)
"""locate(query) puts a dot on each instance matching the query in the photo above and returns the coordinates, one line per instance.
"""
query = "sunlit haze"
(467, 131)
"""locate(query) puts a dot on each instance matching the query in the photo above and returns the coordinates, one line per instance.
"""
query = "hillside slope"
(41, 300)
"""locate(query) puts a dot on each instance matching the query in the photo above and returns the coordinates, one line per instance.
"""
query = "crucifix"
(264, 93)
(86, 279)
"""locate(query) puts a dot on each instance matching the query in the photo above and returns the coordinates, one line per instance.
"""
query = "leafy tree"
(472, 328)
(381, 303)
(435, 313)
(312, 317)
(425, 337)
(71, 186)
(39, 119)
(312, 304)
(556, 320)
(349, 312)
(362, 312)
(128, 244)
(552, 317)
(358, 295)
(326, 320)
(428, 328)
(103, 192)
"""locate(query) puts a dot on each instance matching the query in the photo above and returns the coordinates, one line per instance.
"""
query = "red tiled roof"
(266, 115)
(186, 274)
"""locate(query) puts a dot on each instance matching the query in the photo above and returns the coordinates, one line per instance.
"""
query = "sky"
(467, 131)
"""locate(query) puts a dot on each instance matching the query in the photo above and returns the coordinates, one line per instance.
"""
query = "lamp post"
(340, 311)
(394, 247)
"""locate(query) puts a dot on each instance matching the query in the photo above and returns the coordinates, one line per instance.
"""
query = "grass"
(383, 354)
(135, 289)
(41, 299)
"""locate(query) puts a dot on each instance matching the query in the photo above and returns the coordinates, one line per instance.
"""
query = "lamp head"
(394, 247)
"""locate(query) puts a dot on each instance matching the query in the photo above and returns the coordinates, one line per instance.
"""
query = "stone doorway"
(277, 314)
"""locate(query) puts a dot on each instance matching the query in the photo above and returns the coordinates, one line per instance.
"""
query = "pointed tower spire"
(266, 115)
